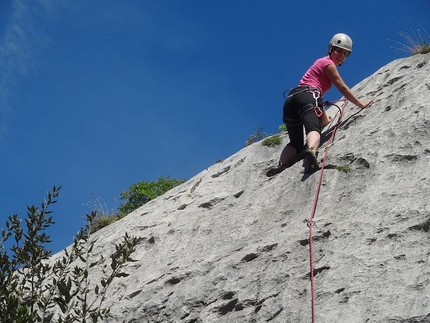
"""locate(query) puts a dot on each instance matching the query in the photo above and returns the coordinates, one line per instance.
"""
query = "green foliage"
(104, 215)
(143, 192)
(272, 141)
(138, 195)
(282, 128)
(34, 290)
(256, 136)
(102, 221)
(268, 140)
(417, 43)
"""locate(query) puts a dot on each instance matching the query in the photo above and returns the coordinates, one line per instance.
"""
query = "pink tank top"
(316, 77)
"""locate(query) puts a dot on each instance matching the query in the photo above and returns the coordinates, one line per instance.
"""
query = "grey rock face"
(231, 245)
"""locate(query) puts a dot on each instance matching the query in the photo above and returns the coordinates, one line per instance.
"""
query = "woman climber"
(303, 106)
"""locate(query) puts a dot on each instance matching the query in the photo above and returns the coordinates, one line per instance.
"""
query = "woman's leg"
(288, 153)
(313, 139)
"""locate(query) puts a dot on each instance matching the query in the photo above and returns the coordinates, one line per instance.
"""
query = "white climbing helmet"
(341, 41)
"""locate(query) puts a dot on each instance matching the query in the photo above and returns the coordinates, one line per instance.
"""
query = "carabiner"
(318, 111)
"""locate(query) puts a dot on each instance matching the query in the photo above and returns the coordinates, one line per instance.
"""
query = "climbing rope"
(314, 206)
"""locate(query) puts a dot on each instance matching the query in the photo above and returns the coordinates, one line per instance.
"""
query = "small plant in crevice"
(103, 215)
(256, 136)
(103, 221)
(272, 141)
(417, 43)
(343, 168)
(268, 140)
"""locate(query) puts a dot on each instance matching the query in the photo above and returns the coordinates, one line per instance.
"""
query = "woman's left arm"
(333, 75)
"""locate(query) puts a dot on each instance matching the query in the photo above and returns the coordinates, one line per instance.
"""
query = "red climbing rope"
(314, 207)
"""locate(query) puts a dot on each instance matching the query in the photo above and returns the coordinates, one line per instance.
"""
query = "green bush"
(143, 192)
(33, 290)
(137, 195)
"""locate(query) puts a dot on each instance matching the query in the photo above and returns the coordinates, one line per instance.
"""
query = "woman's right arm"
(334, 76)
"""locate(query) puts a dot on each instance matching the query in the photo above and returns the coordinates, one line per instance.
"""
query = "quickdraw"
(318, 111)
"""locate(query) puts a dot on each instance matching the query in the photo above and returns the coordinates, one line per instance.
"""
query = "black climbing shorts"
(299, 112)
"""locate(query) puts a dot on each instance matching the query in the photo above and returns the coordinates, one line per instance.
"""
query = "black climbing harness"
(315, 106)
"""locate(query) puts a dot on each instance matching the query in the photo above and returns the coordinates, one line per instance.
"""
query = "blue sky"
(96, 95)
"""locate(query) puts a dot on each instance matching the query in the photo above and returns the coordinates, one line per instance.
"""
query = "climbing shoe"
(312, 161)
(276, 170)
(281, 167)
